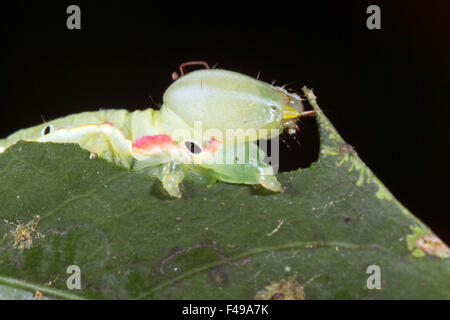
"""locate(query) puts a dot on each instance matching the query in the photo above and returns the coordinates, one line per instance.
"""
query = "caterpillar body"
(188, 134)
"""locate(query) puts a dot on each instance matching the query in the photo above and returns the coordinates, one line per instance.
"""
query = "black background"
(386, 91)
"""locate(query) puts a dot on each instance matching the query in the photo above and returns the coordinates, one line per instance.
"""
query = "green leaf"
(316, 240)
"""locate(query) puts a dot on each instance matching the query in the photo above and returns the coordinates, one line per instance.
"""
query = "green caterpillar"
(190, 133)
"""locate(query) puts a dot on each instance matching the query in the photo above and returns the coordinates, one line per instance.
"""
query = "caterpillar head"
(224, 100)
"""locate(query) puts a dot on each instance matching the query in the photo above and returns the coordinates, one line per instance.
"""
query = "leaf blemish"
(280, 223)
(431, 244)
(423, 242)
(345, 148)
(23, 234)
(212, 245)
(219, 277)
(285, 289)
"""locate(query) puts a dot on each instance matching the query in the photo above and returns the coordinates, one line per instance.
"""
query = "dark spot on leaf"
(219, 277)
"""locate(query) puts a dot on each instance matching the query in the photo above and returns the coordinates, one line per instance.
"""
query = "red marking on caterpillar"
(148, 143)
(213, 145)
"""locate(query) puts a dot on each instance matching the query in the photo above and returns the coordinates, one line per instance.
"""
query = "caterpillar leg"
(270, 182)
(160, 156)
(243, 163)
(171, 175)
